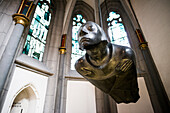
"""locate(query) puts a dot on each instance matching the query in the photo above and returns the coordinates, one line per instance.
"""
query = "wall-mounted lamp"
(62, 48)
(143, 44)
(23, 14)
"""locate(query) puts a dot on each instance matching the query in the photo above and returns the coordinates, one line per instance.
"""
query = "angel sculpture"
(109, 67)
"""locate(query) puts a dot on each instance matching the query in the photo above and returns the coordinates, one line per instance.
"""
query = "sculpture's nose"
(82, 33)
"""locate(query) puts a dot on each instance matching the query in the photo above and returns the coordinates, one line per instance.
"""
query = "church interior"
(39, 48)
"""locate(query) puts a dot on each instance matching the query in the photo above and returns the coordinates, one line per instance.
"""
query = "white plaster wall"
(154, 19)
(80, 97)
(143, 105)
(21, 79)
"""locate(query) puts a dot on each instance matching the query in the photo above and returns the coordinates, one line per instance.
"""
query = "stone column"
(100, 14)
(8, 57)
(60, 82)
(160, 100)
(22, 20)
(96, 12)
(60, 85)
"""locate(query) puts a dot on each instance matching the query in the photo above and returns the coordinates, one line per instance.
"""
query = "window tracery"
(78, 20)
(116, 30)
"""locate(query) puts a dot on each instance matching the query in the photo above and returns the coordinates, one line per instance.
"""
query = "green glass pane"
(38, 18)
(36, 55)
(46, 16)
(30, 31)
(39, 4)
(27, 45)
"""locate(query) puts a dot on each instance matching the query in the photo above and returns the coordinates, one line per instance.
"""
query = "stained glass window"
(36, 38)
(78, 20)
(116, 30)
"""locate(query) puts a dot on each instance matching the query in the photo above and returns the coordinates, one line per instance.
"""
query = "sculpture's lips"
(84, 39)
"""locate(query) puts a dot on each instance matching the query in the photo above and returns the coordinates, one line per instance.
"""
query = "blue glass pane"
(36, 38)
(25, 10)
(76, 52)
(116, 30)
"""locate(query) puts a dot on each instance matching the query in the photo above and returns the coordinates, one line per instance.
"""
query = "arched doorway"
(24, 102)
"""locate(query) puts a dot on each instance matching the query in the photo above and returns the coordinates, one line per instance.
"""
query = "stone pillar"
(8, 57)
(96, 13)
(68, 14)
(60, 82)
(22, 20)
(53, 55)
(100, 15)
(60, 85)
(160, 100)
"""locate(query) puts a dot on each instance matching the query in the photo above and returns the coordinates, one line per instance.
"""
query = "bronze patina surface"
(109, 67)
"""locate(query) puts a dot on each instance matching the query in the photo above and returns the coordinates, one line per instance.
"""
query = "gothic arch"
(88, 14)
(25, 100)
(116, 6)
(84, 9)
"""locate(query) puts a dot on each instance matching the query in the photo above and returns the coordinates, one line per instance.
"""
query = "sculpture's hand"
(85, 71)
(124, 65)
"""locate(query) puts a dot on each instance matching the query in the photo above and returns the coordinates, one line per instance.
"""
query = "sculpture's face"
(89, 34)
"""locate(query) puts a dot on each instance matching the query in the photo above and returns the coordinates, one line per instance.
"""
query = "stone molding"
(32, 64)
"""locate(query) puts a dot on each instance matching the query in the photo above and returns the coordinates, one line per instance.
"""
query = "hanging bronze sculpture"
(109, 67)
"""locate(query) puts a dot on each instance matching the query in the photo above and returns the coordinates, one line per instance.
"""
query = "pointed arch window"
(36, 38)
(116, 30)
(78, 20)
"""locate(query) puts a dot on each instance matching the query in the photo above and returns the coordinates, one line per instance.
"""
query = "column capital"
(62, 50)
(143, 46)
(21, 19)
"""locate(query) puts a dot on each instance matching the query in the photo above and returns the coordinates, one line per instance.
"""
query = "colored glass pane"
(36, 38)
(116, 30)
(76, 52)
